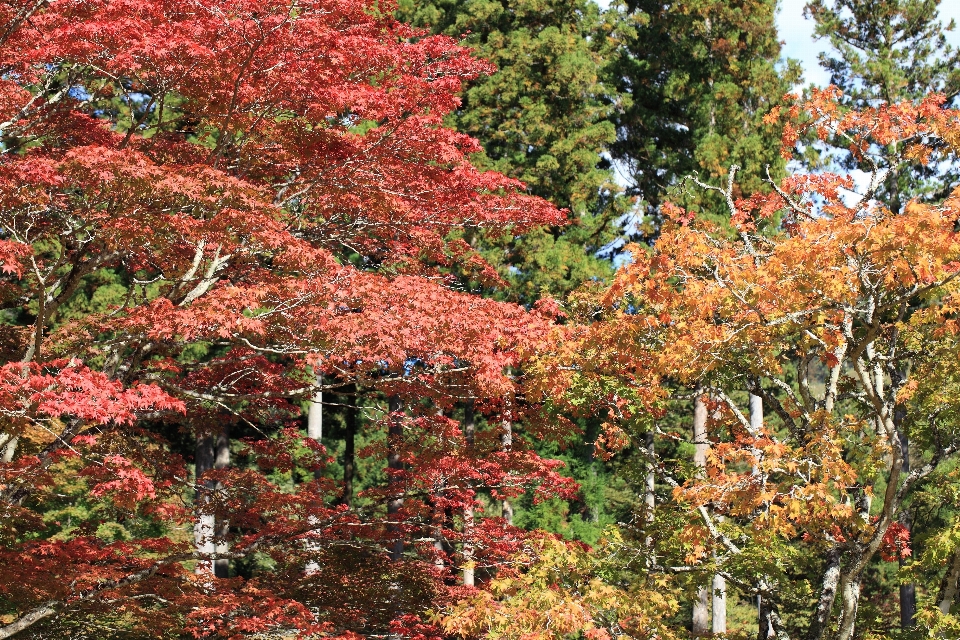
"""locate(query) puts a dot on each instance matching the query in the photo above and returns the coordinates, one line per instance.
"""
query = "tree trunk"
(350, 444)
(701, 612)
(213, 452)
(204, 527)
(771, 626)
(719, 604)
(221, 566)
(756, 426)
(756, 413)
(506, 443)
(395, 501)
(469, 435)
(9, 449)
(908, 591)
(828, 594)
(315, 413)
(650, 497)
(701, 615)
(850, 602)
(948, 587)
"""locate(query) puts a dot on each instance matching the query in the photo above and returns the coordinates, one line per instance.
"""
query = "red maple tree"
(268, 191)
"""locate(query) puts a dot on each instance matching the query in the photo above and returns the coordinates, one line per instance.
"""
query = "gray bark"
(948, 587)
(771, 626)
(828, 594)
(213, 452)
(701, 612)
(719, 604)
(395, 501)
(221, 566)
(701, 615)
(849, 602)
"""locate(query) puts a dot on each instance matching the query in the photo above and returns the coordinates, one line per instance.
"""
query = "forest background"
(477, 318)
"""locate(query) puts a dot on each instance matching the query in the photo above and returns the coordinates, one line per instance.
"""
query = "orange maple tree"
(840, 314)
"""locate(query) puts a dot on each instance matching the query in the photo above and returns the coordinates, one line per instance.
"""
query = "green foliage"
(700, 76)
(543, 118)
(888, 50)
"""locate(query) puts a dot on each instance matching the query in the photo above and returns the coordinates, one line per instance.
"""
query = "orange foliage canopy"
(840, 314)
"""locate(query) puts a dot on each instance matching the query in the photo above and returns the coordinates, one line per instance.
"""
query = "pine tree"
(700, 76)
(889, 51)
(544, 118)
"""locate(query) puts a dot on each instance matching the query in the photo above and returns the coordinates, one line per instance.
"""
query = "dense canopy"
(522, 319)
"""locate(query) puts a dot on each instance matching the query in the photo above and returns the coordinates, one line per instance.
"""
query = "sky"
(797, 36)
(796, 33)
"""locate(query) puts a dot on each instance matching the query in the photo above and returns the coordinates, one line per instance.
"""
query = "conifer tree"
(699, 76)
(544, 118)
(889, 51)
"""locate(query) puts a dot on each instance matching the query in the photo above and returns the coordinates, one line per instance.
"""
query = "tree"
(256, 191)
(555, 591)
(699, 75)
(842, 321)
(888, 51)
(543, 118)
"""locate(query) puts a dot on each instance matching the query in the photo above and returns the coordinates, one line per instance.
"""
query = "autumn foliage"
(218, 217)
(836, 313)
(203, 205)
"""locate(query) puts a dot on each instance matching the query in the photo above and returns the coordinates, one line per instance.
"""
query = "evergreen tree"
(888, 51)
(544, 118)
(700, 76)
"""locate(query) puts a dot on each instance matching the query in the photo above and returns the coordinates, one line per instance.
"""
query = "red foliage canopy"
(271, 187)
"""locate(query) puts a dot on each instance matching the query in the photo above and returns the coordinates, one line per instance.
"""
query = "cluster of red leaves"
(234, 160)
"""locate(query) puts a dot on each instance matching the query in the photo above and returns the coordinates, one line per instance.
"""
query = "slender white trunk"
(213, 452)
(469, 435)
(204, 530)
(719, 604)
(701, 611)
(650, 497)
(756, 413)
(506, 443)
(204, 527)
(315, 413)
(221, 566)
